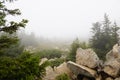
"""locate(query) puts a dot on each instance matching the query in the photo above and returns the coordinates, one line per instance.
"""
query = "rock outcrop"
(112, 63)
(82, 70)
(112, 68)
(114, 53)
(63, 69)
(109, 78)
(87, 62)
(87, 58)
(117, 79)
(88, 66)
(52, 73)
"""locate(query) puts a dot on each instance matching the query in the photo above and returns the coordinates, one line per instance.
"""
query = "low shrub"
(49, 54)
(56, 62)
(63, 77)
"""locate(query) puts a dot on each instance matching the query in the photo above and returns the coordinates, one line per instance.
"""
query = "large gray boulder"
(112, 63)
(117, 78)
(114, 53)
(112, 67)
(87, 58)
(52, 73)
(63, 69)
(109, 78)
(81, 70)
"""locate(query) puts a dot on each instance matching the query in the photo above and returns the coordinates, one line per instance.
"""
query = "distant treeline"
(41, 42)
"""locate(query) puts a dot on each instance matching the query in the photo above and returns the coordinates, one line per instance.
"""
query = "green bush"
(24, 67)
(49, 54)
(63, 77)
(56, 62)
(73, 48)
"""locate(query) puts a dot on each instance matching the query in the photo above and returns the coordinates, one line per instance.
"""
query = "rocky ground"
(89, 67)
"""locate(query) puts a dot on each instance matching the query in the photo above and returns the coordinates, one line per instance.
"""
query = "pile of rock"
(112, 63)
(52, 73)
(89, 67)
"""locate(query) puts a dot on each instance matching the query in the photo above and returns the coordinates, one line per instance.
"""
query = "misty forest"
(27, 56)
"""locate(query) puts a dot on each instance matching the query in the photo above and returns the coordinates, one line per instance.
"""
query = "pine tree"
(96, 30)
(74, 46)
(104, 36)
(9, 27)
(22, 67)
(114, 32)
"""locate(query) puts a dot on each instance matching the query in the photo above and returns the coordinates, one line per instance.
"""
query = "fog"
(65, 18)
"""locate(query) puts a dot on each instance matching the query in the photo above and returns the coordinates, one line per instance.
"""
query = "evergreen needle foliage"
(15, 63)
(63, 77)
(105, 35)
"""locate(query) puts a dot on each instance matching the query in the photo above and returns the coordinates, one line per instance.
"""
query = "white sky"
(66, 18)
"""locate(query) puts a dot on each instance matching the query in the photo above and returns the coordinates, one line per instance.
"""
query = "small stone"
(43, 60)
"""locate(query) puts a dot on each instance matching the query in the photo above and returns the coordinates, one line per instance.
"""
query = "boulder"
(112, 63)
(114, 53)
(109, 78)
(112, 67)
(99, 77)
(81, 70)
(87, 58)
(63, 69)
(117, 78)
(50, 74)
(85, 78)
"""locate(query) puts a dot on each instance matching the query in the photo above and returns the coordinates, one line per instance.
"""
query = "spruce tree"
(105, 35)
(22, 67)
(8, 27)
